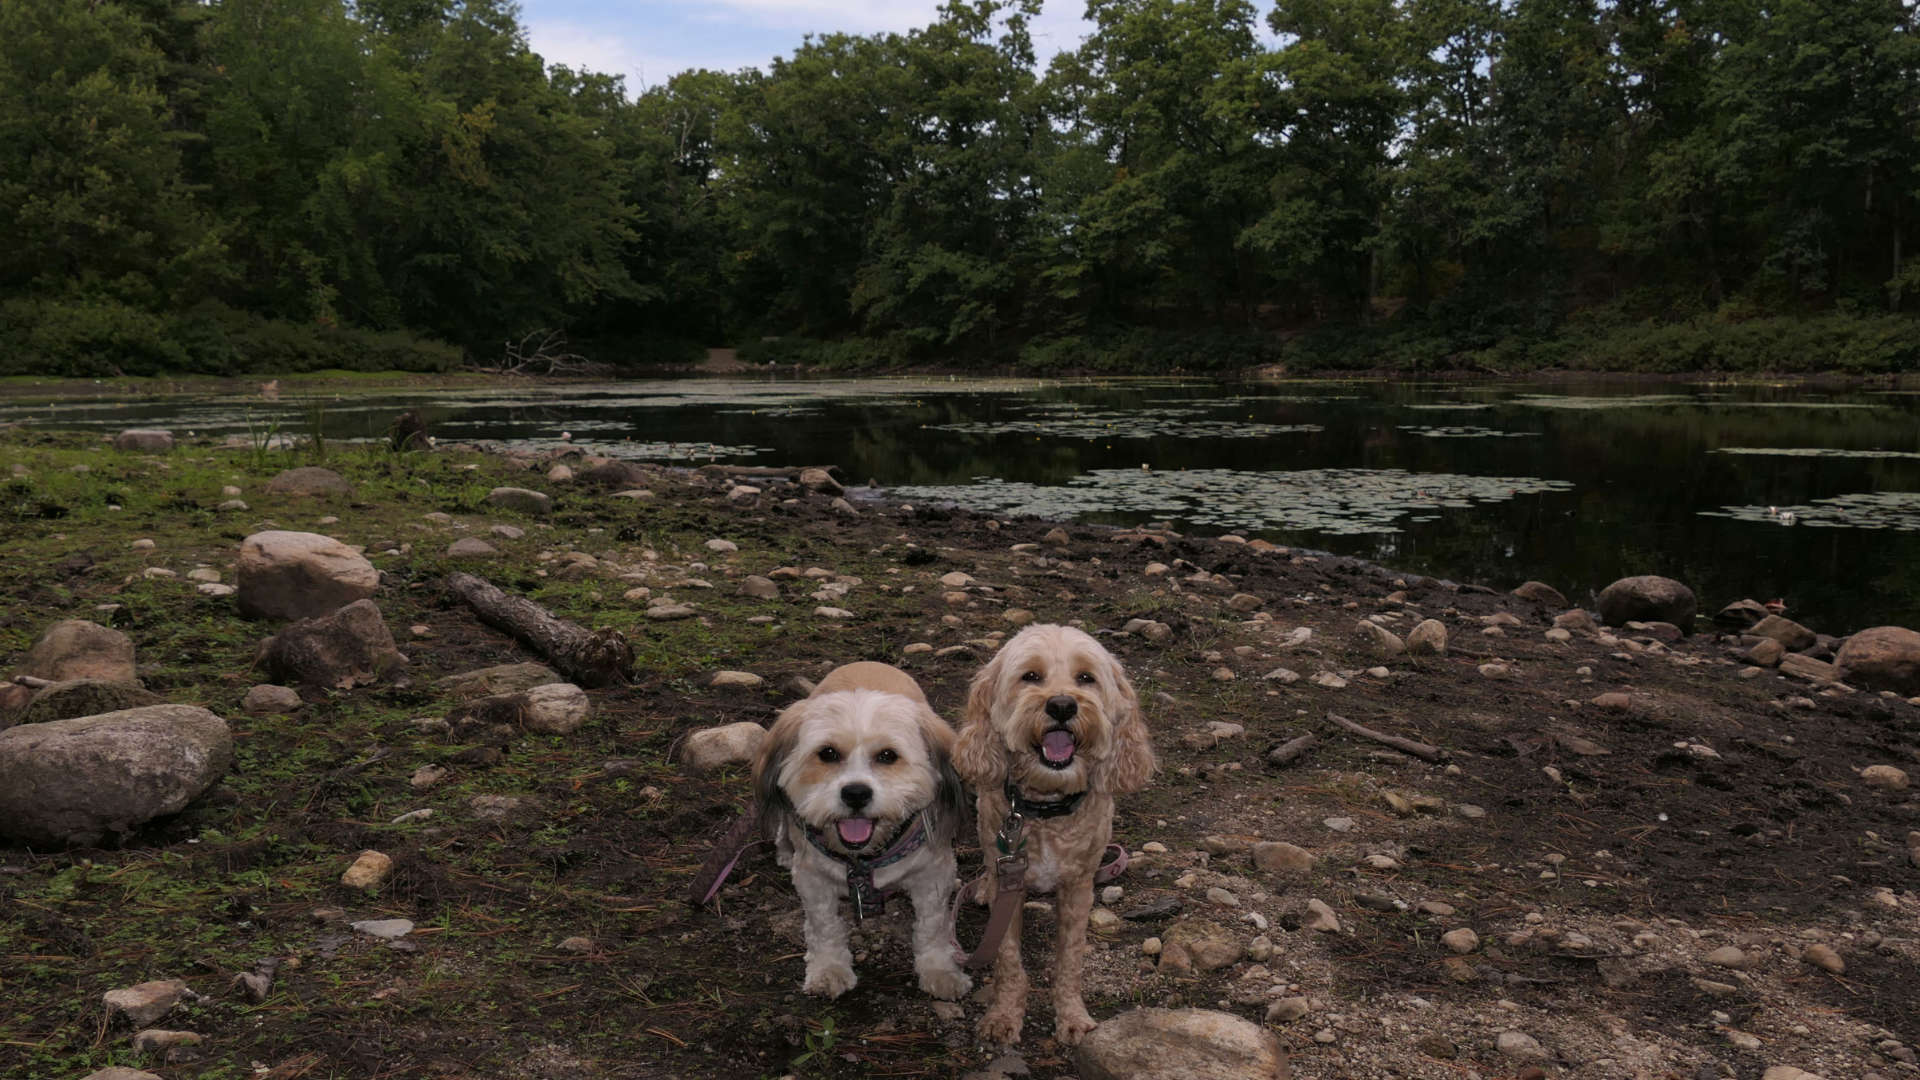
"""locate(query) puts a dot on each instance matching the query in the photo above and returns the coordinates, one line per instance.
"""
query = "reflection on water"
(1574, 485)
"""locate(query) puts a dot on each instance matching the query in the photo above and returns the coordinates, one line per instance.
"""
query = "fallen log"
(1291, 751)
(588, 657)
(1408, 746)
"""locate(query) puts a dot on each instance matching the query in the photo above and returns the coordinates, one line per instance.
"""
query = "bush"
(93, 337)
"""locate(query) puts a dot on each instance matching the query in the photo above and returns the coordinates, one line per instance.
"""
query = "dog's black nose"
(856, 795)
(1062, 707)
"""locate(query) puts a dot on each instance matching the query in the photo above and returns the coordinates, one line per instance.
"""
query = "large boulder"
(75, 781)
(502, 679)
(311, 481)
(349, 648)
(149, 440)
(298, 575)
(1647, 598)
(85, 697)
(1180, 1044)
(1791, 635)
(78, 649)
(1883, 658)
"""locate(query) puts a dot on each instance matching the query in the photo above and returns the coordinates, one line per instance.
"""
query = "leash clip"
(1012, 838)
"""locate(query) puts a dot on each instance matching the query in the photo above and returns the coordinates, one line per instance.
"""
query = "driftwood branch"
(1417, 749)
(1289, 752)
(588, 657)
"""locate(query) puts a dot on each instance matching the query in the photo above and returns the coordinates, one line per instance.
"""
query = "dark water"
(1573, 485)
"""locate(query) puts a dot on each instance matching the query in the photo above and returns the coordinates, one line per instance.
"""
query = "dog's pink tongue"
(856, 830)
(1057, 746)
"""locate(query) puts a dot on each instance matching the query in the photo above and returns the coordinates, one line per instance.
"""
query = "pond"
(1772, 492)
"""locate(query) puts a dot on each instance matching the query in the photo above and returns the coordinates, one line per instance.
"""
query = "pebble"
(1222, 897)
(385, 929)
(722, 547)
(1260, 949)
(1462, 941)
(1884, 778)
(1519, 1044)
(742, 679)
(1495, 671)
(829, 613)
(1281, 856)
(1151, 947)
(1824, 958)
(1321, 917)
(368, 870)
(1434, 907)
(1328, 680)
(1111, 894)
(1338, 824)
(1288, 1009)
(1728, 956)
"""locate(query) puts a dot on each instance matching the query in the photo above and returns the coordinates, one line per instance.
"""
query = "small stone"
(669, 611)
(1246, 602)
(1495, 670)
(1151, 947)
(1279, 856)
(1462, 941)
(1283, 676)
(1728, 956)
(722, 547)
(1429, 638)
(745, 680)
(1102, 919)
(1380, 639)
(521, 500)
(159, 1040)
(1884, 778)
(426, 776)
(1222, 897)
(1824, 958)
(266, 699)
(471, 547)
(1288, 1009)
(368, 870)
(1223, 674)
(1017, 616)
(1328, 680)
(714, 748)
(833, 613)
(1434, 907)
(385, 929)
(1320, 917)
(143, 1004)
(508, 532)
(1789, 1072)
(1338, 824)
(1260, 949)
(1519, 1044)
(577, 945)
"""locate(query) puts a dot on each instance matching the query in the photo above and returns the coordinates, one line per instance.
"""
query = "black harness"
(1042, 808)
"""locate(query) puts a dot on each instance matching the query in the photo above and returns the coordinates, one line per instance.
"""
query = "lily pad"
(1898, 511)
(1464, 431)
(1815, 452)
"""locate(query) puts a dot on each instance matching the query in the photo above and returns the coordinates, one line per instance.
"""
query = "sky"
(649, 41)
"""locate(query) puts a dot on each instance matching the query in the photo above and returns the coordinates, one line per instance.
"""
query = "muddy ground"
(1600, 854)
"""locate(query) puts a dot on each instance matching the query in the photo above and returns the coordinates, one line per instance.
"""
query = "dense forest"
(1506, 185)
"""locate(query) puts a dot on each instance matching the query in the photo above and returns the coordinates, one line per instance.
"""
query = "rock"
(1824, 958)
(1429, 638)
(1190, 945)
(1057, 536)
(828, 612)
(560, 473)
(369, 870)
(1279, 856)
(159, 1041)
(144, 440)
(746, 680)
(385, 929)
(722, 547)
(1283, 676)
(1321, 917)
(502, 679)
(1788, 1072)
(427, 776)
(521, 500)
(85, 697)
(508, 532)
(615, 474)
(1179, 1044)
(1288, 1009)
(1790, 634)
(1577, 621)
(1541, 592)
(1806, 667)
(1740, 615)
(820, 480)
(77, 649)
(120, 1072)
(266, 698)
(1381, 640)
(1328, 680)
(1017, 616)
(1496, 670)
(1245, 602)
(215, 589)
(555, 709)
(1519, 1044)
(351, 647)
(310, 481)
(1879, 777)
(471, 547)
(1883, 658)
(75, 781)
(1766, 652)
(759, 588)
(1222, 897)
(141, 1005)
(1462, 941)
(1728, 956)
(1614, 701)
(718, 747)
(1647, 598)
(298, 575)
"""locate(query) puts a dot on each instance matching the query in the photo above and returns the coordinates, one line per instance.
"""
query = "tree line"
(1501, 184)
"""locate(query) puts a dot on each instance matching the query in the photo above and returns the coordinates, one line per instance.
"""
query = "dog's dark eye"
(885, 757)
(828, 753)
(1085, 678)
(1031, 676)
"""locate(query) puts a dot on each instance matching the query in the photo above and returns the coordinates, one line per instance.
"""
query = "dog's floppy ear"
(980, 754)
(1131, 762)
(950, 796)
(774, 749)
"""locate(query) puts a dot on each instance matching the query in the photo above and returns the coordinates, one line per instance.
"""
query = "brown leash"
(1010, 886)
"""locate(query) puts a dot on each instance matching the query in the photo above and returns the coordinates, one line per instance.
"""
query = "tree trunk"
(588, 657)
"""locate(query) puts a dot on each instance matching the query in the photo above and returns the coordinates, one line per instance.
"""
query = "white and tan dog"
(1053, 730)
(857, 786)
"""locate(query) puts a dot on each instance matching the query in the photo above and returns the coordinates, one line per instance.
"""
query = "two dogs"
(861, 785)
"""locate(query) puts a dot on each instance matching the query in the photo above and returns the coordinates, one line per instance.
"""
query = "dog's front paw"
(947, 984)
(1070, 1027)
(829, 979)
(1001, 1026)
